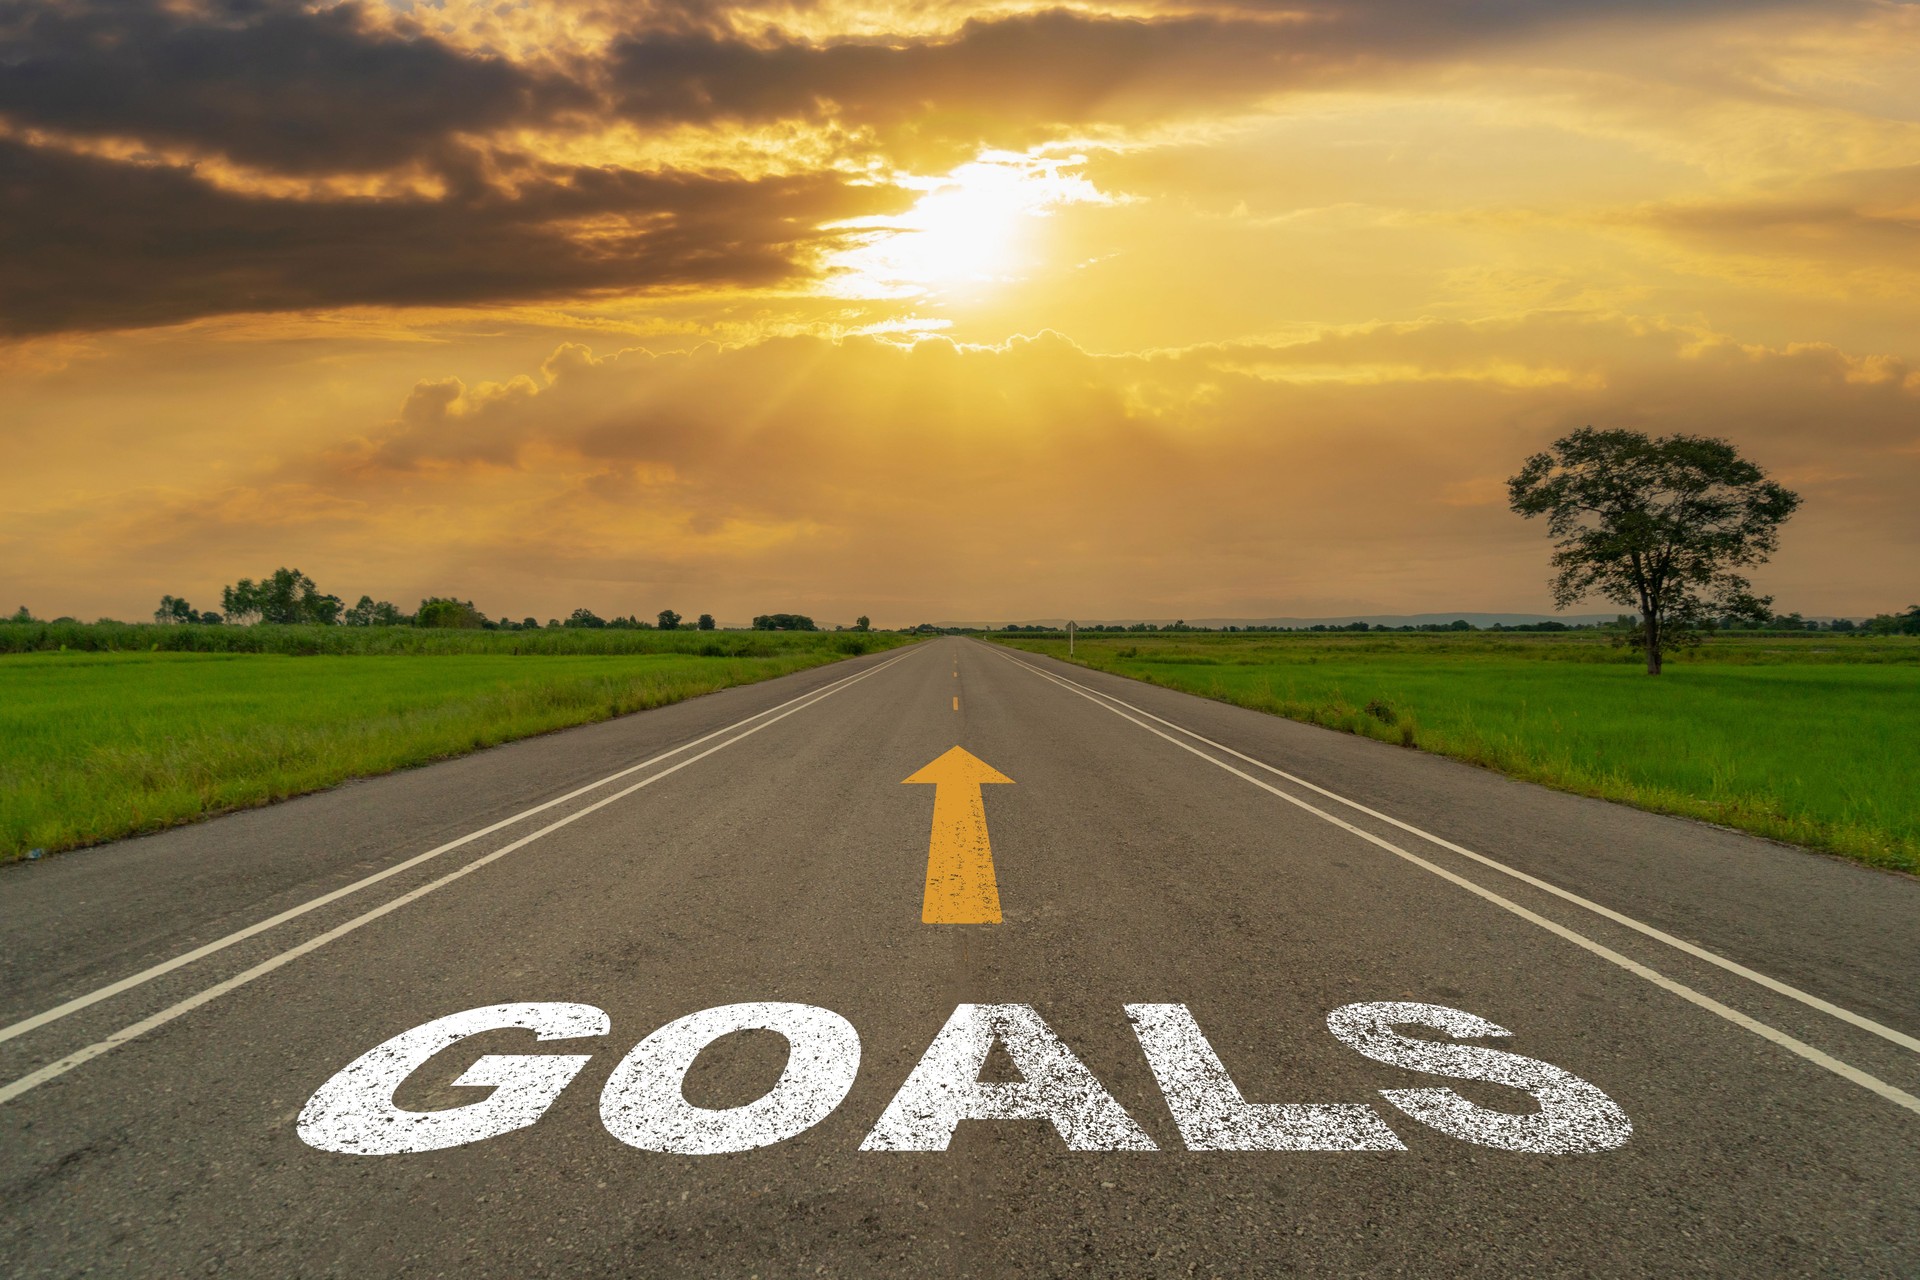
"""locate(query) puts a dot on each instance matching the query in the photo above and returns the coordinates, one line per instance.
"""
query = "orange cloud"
(1033, 477)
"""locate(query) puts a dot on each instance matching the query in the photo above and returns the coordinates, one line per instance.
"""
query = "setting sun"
(971, 229)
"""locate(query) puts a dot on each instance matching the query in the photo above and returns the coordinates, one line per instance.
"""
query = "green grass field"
(96, 745)
(312, 641)
(1813, 740)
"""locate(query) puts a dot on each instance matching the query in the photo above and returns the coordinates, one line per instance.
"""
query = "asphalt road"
(1736, 1018)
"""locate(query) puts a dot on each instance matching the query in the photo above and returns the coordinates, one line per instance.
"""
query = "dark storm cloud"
(1053, 66)
(270, 84)
(1065, 67)
(282, 86)
(92, 244)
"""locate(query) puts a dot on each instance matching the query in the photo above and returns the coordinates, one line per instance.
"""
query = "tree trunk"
(1653, 644)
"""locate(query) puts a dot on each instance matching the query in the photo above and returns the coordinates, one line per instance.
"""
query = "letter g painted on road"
(354, 1113)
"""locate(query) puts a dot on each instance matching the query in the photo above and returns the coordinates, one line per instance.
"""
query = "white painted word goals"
(643, 1103)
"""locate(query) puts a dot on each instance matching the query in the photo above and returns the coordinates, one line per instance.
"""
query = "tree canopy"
(368, 613)
(175, 610)
(1896, 624)
(285, 596)
(444, 611)
(1661, 525)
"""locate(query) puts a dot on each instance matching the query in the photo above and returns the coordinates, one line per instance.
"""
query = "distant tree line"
(1458, 624)
(1881, 624)
(290, 597)
(438, 611)
(1884, 624)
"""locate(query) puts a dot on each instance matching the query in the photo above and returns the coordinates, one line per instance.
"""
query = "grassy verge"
(97, 745)
(310, 641)
(1809, 743)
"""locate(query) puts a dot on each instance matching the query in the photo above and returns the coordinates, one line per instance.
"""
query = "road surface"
(1210, 1034)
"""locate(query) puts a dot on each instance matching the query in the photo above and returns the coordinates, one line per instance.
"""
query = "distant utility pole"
(1069, 639)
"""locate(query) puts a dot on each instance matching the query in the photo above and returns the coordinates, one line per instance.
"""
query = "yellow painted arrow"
(960, 884)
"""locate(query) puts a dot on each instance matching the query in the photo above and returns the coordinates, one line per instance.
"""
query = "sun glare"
(972, 229)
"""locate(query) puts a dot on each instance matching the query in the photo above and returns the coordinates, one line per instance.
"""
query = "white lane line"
(1898, 1097)
(198, 953)
(1812, 1001)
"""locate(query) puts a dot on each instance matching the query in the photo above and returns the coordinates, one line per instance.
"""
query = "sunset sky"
(929, 311)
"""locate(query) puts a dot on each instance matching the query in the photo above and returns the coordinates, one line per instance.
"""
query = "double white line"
(1899, 1097)
(772, 715)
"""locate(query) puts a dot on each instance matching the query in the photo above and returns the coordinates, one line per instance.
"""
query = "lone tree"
(669, 620)
(1660, 525)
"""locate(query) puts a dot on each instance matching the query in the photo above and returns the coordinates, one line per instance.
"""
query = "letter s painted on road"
(354, 1113)
(1574, 1116)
